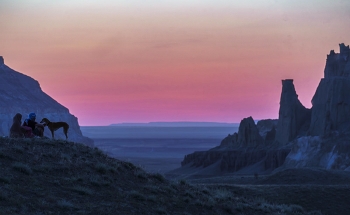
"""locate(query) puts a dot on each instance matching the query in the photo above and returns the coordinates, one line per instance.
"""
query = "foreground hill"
(42, 176)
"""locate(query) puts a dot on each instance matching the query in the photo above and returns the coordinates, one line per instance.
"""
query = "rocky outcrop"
(237, 160)
(294, 118)
(317, 137)
(1, 61)
(248, 134)
(242, 150)
(267, 130)
(20, 93)
(331, 102)
(330, 153)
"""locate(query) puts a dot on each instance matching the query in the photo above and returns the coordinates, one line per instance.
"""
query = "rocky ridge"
(300, 137)
(20, 93)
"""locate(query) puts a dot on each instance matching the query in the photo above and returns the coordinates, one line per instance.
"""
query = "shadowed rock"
(248, 133)
(267, 130)
(317, 137)
(1, 60)
(292, 114)
(331, 102)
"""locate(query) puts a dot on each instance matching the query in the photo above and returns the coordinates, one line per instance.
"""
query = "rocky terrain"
(22, 94)
(318, 137)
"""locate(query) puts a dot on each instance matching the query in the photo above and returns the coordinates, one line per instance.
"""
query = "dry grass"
(42, 176)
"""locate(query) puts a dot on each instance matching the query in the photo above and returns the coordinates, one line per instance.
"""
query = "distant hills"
(179, 124)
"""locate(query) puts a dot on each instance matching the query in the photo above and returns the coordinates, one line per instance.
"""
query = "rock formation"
(248, 133)
(267, 130)
(292, 114)
(331, 102)
(1, 61)
(20, 93)
(317, 137)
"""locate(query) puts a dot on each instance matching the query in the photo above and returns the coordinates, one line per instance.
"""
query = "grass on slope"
(42, 176)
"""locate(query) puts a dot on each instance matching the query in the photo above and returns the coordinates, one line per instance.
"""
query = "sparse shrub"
(3, 195)
(140, 174)
(228, 208)
(205, 190)
(222, 194)
(95, 181)
(56, 182)
(182, 182)
(159, 177)
(43, 168)
(296, 208)
(152, 189)
(66, 157)
(199, 203)
(99, 152)
(240, 206)
(152, 198)
(5, 180)
(82, 190)
(168, 189)
(129, 166)
(161, 211)
(77, 179)
(18, 149)
(24, 168)
(65, 204)
(136, 195)
(101, 168)
(189, 194)
(187, 199)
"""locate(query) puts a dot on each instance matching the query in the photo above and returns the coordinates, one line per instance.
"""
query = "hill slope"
(42, 176)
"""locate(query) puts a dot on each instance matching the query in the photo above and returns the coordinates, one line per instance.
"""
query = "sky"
(172, 60)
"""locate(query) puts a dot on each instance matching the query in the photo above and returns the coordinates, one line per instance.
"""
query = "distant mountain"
(180, 124)
(22, 94)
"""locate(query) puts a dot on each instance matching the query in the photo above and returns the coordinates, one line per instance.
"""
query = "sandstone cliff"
(331, 102)
(246, 152)
(317, 137)
(294, 118)
(20, 93)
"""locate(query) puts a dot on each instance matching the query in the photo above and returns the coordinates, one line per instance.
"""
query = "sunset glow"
(141, 61)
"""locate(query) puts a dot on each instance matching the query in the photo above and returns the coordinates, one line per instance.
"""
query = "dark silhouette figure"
(16, 130)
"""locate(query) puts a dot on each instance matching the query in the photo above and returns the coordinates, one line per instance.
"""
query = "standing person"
(37, 128)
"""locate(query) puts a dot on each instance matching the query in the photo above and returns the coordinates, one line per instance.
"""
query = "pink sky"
(142, 61)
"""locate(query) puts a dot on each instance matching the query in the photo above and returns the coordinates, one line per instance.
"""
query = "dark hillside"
(42, 176)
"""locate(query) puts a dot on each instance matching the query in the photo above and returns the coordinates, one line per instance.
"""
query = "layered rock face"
(22, 94)
(248, 133)
(243, 149)
(236, 160)
(267, 130)
(330, 153)
(317, 137)
(331, 102)
(293, 116)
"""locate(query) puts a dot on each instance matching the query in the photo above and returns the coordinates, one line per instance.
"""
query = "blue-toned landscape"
(157, 148)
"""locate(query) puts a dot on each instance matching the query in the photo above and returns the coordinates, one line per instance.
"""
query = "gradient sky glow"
(184, 60)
